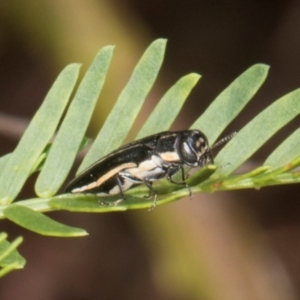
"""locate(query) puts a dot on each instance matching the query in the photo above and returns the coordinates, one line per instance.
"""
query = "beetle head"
(194, 149)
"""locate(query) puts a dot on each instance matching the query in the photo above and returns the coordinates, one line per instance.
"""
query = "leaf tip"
(193, 76)
(74, 67)
(43, 194)
(83, 233)
(108, 49)
(161, 42)
(262, 67)
(80, 232)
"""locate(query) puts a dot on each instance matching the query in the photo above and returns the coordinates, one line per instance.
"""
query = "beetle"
(144, 161)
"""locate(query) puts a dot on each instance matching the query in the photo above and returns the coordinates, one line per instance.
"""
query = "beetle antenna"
(223, 140)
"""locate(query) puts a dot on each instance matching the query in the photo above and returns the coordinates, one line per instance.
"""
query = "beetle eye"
(187, 154)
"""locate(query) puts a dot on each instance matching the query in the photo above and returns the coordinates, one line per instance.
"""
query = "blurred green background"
(235, 245)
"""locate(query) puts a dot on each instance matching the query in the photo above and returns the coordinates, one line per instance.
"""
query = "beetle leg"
(120, 187)
(121, 192)
(119, 183)
(183, 177)
(152, 193)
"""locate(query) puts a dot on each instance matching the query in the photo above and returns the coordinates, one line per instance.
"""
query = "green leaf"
(37, 204)
(42, 158)
(274, 173)
(8, 253)
(3, 161)
(230, 102)
(257, 132)
(121, 118)
(286, 152)
(252, 174)
(37, 135)
(84, 203)
(91, 203)
(201, 175)
(67, 142)
(169, 106)
(39, 223)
